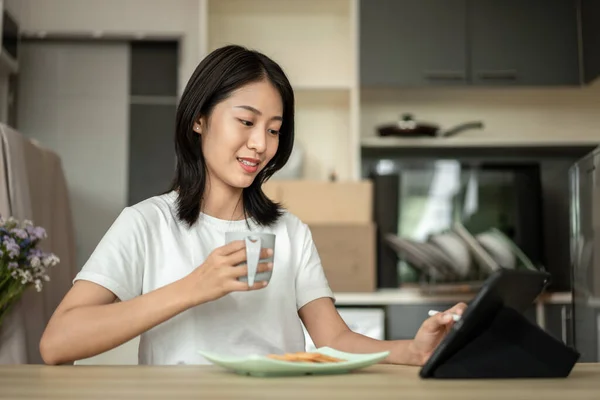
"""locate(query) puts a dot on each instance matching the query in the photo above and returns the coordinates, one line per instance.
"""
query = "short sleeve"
(117, 263)
(311, 282)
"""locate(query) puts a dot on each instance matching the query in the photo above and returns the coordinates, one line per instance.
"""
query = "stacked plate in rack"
(459, 256)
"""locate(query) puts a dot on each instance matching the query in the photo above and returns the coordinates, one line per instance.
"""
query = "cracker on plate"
(305, 357)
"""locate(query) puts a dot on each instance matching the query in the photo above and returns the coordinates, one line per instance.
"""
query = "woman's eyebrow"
(257, 112)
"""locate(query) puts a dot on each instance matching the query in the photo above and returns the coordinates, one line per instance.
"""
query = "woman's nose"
(257, 141)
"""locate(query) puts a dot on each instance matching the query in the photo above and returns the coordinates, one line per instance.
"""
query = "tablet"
(515, 289)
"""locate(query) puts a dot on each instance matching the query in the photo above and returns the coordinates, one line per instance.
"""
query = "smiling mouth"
(248, 163)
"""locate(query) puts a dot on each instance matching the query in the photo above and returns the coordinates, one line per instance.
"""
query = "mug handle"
(253, 246)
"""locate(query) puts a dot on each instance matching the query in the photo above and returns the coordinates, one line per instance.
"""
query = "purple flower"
(35, 252)
(20, 233)
(36, 232)
(12, 247)
(18, 251)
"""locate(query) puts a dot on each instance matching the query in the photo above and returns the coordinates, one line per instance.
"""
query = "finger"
(242, 270)
(259, 285)
(231, 247)
(240, 256)
(237, 286)
(266, 253)
(458, 309)
(437, 322)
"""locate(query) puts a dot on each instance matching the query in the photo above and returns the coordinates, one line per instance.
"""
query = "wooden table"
(209, 382)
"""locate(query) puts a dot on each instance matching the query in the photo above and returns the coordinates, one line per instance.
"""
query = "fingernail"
(270, 252)
(270, 265)
(265, 283)
(447, 318)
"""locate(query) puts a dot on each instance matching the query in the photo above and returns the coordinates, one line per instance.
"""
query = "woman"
(162, 270)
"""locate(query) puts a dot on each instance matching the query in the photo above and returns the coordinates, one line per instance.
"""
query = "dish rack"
(456, 261)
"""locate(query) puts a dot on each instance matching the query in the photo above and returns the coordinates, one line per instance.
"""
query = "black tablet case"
(509, 346)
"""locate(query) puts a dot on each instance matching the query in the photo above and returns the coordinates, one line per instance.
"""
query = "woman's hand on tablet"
(432, 331)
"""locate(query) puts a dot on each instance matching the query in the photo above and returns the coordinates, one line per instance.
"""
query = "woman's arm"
(89, 321)
(327, 328)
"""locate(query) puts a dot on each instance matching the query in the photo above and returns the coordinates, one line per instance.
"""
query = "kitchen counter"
(211, 382)
(412, 295)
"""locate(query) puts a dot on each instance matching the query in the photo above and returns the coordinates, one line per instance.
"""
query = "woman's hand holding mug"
(219, 274)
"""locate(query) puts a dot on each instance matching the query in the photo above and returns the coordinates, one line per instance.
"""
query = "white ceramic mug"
(254, 243)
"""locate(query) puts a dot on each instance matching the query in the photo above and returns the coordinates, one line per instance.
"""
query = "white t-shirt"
(147, 247)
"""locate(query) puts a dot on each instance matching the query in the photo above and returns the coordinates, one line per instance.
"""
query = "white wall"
(511, 114)
(66, 104)
(167, 18)
(11, 5)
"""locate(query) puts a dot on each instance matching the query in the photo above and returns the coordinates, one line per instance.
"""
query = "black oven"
(421, 193)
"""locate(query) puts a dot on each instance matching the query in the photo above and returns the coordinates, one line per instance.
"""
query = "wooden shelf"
(311, 39)
(322, 129)
(513, 117)
(470, 142)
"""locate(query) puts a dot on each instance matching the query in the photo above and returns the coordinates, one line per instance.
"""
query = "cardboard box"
(322, 202)
(348, 255)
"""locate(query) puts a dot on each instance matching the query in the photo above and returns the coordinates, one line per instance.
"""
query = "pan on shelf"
(408, 127)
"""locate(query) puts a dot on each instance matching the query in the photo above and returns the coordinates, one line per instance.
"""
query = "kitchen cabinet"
(590, 39)
(515, 42)
(530, 314)
(559, 322)
(405, 320)
(586, 319)
(413, 42)
(468, 42)
(367, 321)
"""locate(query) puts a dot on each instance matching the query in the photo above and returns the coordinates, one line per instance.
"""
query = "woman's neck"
(223, 201)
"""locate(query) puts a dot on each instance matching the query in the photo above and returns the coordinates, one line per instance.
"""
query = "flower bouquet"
(22, 263)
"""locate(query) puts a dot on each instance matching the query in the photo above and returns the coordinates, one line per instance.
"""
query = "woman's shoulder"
(292, 224)
(290, 220)
(153, 210)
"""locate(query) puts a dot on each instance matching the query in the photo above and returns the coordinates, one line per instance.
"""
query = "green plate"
(264, 366)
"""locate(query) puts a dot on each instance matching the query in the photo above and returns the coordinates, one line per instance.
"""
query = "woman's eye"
(246, 123)
(273, 132)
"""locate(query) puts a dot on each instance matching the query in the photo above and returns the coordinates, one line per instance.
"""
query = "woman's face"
(242, 134)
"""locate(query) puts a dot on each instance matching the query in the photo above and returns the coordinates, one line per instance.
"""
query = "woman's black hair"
(219, 74)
